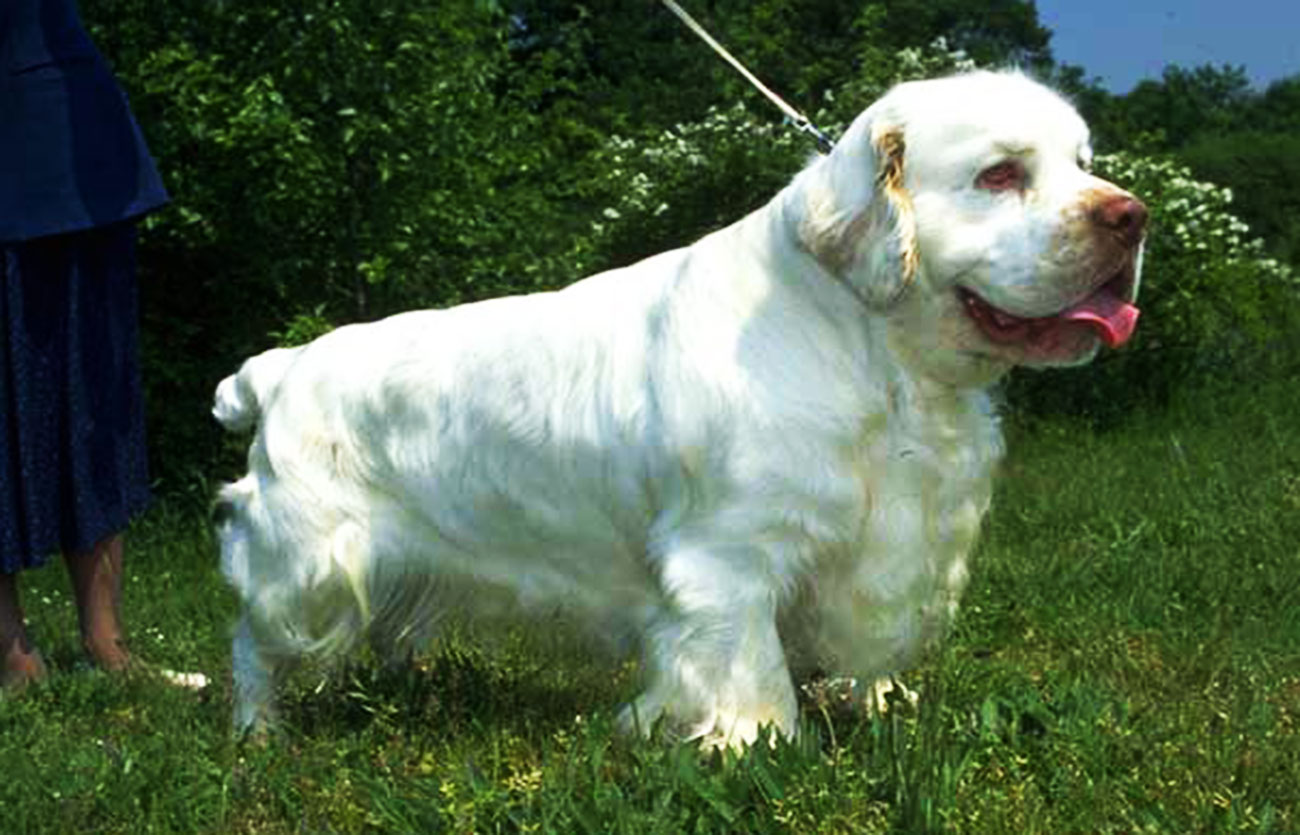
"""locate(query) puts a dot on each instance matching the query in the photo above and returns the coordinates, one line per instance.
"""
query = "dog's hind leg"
(254, 673)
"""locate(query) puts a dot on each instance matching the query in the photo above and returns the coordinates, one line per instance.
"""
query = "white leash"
(799, 120)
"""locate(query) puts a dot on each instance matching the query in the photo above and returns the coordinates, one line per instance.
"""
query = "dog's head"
(963, 209)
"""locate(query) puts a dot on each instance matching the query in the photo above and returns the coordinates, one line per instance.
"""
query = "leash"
(800, 121)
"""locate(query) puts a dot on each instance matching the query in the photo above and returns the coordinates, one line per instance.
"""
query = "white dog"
(773, 445)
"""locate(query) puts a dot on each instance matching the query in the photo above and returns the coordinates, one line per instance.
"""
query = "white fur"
(784, 423)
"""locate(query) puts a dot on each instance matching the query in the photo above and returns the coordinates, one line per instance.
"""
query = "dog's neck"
(903, 330)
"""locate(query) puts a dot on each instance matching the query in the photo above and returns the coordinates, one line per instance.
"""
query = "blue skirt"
(73, 467)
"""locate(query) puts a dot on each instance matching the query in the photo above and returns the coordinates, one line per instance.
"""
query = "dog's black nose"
(1123, 215)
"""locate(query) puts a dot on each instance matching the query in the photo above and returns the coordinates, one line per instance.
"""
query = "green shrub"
(1263, 170)
(328, 162)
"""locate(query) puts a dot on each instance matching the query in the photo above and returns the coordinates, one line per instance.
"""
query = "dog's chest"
(923, 476)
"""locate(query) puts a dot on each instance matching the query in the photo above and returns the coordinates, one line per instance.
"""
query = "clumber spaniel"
(772, 446)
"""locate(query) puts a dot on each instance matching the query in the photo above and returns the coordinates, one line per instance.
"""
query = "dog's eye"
(1005, 176)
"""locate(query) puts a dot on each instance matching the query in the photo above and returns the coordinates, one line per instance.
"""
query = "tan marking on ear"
(891, 146)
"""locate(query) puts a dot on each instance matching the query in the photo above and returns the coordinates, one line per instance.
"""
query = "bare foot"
(21, 668)
(20, 662)
(96, 577)
(108, 654)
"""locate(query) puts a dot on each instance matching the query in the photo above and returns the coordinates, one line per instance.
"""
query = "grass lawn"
(1127, 660)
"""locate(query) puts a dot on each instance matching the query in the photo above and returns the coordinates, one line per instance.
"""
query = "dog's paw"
(849, 695)
(740, 732)
(880, 695)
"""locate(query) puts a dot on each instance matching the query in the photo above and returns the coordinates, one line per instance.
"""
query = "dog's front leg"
(716, 666)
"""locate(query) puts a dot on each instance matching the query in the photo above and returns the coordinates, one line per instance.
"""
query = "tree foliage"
(1186, 103)
(329, 161)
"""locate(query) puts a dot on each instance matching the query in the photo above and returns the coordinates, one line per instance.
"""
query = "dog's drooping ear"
(858, 220)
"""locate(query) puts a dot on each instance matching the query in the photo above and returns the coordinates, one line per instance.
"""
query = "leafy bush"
(1263, 170)
(668, 189)
(329, 162)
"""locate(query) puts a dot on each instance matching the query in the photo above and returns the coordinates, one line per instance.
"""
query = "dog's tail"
(240, 397)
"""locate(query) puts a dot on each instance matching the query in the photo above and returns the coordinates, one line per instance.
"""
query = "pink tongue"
(1113, 318)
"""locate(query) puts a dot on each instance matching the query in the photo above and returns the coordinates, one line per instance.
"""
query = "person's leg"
(21, 661)
(97, 587)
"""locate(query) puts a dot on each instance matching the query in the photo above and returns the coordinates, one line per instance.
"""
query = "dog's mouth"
(1108, 311)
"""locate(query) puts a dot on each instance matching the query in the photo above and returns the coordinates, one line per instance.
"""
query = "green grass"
(1127, 660)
